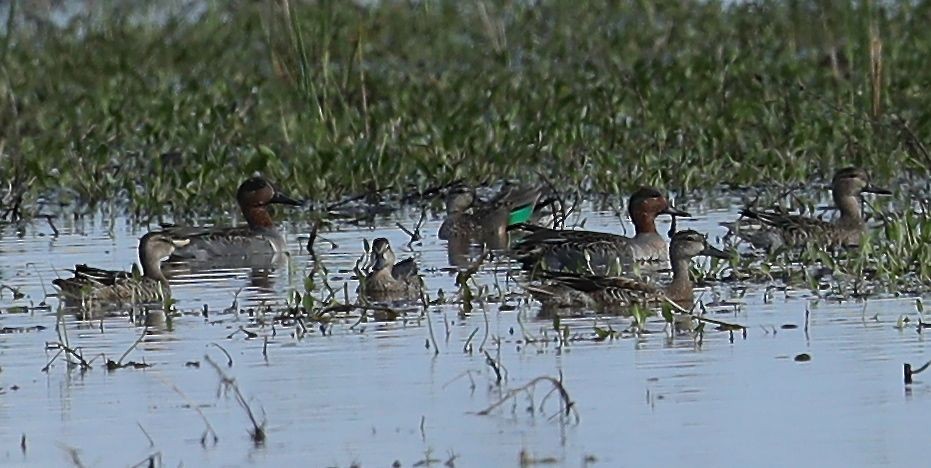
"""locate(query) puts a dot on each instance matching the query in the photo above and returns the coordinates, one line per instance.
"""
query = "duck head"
(688, 244)
(254, 196)
(257, 191)
(382, 256)
(852, 181)
(646, 204)
(459, 199)
(155, 247)
(160, 245)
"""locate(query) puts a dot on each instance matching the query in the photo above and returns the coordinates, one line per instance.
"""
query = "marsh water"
(373, 393)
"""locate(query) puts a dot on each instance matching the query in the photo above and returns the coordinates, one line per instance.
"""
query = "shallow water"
(373, 394)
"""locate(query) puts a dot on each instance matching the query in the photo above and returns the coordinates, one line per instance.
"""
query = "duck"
(776, 229)
(258, 237)
(488, 221)
(555, 249)
(610, 293)
(388, 279)
(114, 286)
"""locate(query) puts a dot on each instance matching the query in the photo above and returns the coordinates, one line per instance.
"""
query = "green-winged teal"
(778, 229)
(113, 286)
(388, 279)
(576, 250)
(258, 237)
(468, 218)
(607, 293)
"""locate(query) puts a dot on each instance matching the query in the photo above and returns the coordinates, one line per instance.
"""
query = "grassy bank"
(331, 99)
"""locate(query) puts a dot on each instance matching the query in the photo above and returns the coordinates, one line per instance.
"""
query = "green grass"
(331, 99)
(893, 259)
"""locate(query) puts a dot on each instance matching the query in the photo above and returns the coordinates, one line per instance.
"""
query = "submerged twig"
(119, 364)
(723, 325)
(73, 455)
(258, 430)
(467, 348)
(415, 234)
(436, 349)
(228, 357)
(209, 428)
(150, 461)
(909, 372)
(147, 436)
(495, 366)
(557, 384)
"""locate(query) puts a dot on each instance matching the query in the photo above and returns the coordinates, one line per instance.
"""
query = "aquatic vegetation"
(894, 259)
(362, 109)
(341, 99)
(566, 405)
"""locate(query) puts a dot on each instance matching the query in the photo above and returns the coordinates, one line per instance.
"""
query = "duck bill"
(379, 260)
(877, 190)
(283, 199)
(715, 252)
(672, 211)
(180, 242)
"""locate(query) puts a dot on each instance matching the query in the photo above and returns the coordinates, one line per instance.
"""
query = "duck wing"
(209, 242)
(542, 236)
(514, 197)
(458, 226)
(572, 249)
(512, 205)
(604, 291)
(405, 270)
(593, 283)
(786, 229)
(99, 275)
(87, 280)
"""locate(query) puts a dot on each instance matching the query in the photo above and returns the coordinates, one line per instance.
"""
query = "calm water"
(373, 394)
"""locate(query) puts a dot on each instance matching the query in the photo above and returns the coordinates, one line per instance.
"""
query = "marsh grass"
(332, 98)
(894, 258)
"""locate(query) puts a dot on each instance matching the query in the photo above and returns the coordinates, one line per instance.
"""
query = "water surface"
(372, 394)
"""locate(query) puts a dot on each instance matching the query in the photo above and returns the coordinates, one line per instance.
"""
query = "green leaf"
(259, 161)
(668, 316)
(308, 302)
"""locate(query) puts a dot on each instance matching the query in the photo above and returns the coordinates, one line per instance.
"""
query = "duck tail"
(750, 213)
(578, 281)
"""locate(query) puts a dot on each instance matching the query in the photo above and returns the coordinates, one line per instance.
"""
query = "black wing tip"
(525, 227)
(750, 213)
(407, 267)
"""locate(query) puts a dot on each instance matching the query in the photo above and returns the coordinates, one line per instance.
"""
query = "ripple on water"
(363, 393)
